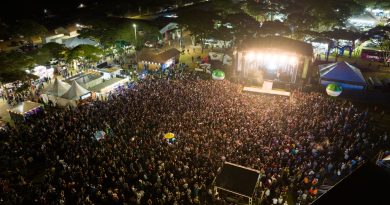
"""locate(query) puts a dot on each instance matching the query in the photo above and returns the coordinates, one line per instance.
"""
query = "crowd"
(295, 142)
(20, 92)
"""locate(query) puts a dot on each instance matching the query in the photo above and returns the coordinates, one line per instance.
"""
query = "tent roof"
(24, 107)
(159, 58)
(73, 42)
(237, 179)
(365, 184)
(365, 17)
(75, 92)
(57, 88)
(105, 84)
(343, 72)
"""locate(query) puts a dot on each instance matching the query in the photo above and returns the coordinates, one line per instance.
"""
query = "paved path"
(4, 115)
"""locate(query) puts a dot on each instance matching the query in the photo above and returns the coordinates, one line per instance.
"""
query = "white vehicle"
(228, 25)
(218, 43)
(189, 4)
(148, 44)
(53, 61)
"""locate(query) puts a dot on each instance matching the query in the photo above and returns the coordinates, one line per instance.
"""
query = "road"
(4, 115)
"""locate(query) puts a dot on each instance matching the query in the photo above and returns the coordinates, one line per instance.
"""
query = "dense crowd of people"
(19, 92)
(294, 142)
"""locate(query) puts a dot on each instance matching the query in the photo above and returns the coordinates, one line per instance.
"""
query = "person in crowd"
(55, 158)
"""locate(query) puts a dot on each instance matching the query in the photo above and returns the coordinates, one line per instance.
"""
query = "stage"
(266, 91)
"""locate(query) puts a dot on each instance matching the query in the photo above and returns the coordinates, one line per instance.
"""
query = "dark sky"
(11, 9)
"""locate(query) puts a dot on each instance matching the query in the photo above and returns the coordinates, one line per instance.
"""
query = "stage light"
(272, 62)
(293, 60)
(260, 57)
(250, 56)
(283, 59)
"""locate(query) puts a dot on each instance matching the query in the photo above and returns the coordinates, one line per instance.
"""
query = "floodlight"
(250, 56)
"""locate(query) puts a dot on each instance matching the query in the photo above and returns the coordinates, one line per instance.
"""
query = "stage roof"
(279, 43)
(366, 185)
(237, 179)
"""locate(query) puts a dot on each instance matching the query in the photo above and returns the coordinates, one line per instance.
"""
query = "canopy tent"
(342, 73)
(236, 180)
(73, 42)
(161, 60)
(75, 92)
(24, 109)
(58, 88)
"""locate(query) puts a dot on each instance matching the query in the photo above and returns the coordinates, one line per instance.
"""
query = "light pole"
(135, 35)
(135, 32)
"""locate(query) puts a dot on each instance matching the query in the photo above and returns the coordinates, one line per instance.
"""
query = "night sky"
(17, 9)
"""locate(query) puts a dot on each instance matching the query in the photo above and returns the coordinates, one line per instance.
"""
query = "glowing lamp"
(250, 56)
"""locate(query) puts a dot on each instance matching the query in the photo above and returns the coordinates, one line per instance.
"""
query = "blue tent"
(342, 73)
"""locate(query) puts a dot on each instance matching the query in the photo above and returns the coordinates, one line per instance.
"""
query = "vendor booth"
(24, 110)
(343, 74)
(55, 90)
(87, 80)
(109, 85)
(71, 97)
(150, 61)
(110, 72)
(42, 72)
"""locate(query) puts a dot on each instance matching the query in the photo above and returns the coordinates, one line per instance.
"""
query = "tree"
(88, 52)
(273, 28)
(385, 4)
(243, 25)
(49, 51)
(85, 54)
(256, 9)
(3, 30)
(110, 30)
(13, 67)
(225, 7)
(385, 48)
(28, 29)
(200, 25)
(306, 15)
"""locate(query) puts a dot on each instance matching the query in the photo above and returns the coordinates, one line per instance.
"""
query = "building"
(163, 60)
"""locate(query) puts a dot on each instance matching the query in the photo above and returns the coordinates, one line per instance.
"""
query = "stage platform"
(266, 91)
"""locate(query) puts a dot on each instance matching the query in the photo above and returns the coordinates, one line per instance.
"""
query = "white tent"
(25, 107)
(75, 92)
(73, 42)
(58, 88)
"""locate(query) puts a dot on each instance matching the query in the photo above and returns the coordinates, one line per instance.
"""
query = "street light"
(135, 32)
